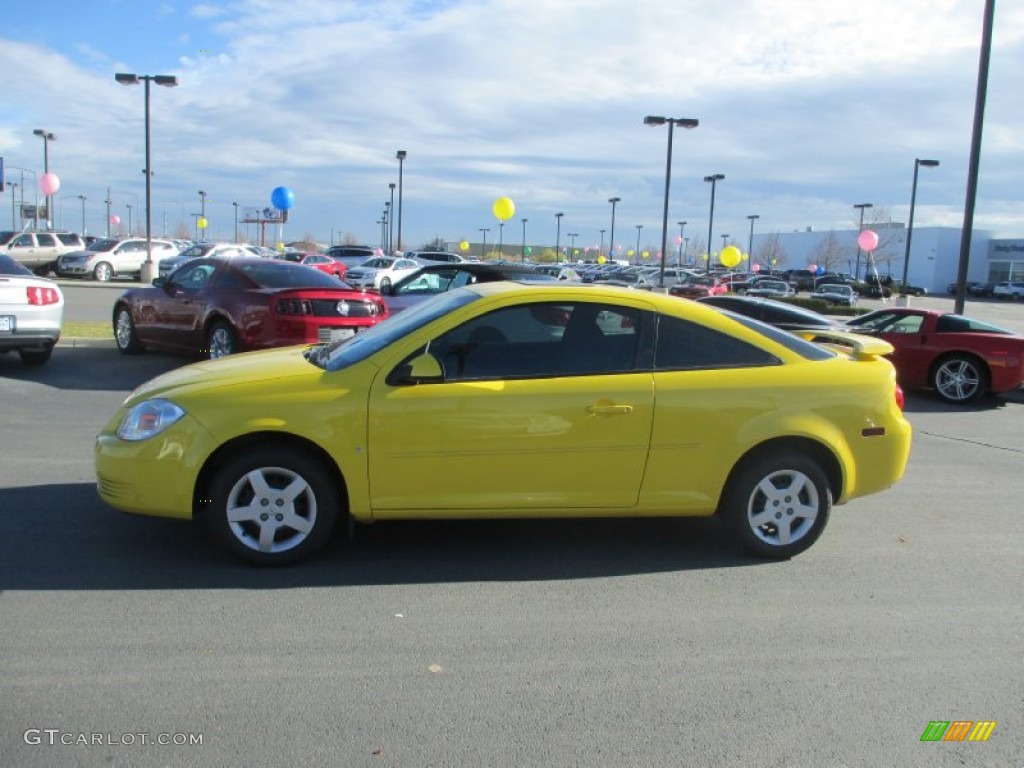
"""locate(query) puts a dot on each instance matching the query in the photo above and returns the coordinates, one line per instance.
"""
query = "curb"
(76, 342)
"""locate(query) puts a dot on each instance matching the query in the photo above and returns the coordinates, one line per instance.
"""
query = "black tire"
(284, 517)
(786, 520)
(35, 356)
(221, 340)
(102, 272)
(960, 379)
(385, 285)
(124, 332)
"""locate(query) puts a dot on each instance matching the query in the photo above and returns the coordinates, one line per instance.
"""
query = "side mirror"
(421, 369)
(159, 282)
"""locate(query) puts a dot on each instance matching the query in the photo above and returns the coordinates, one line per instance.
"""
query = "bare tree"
(771, 253)
(830, 253)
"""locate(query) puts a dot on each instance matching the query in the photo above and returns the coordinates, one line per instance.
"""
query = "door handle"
(609, 410)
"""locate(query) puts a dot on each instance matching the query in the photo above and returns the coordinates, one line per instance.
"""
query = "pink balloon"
(867, 240)
(378, 252)
(679, 240)
(115, 219)
(812, 267)
(756, 267)
(49, 184)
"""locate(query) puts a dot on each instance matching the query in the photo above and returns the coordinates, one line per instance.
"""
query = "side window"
(683, 345)
(23, 241)
(541, 340)
(905, 324)
(46, 240)
(193, 277)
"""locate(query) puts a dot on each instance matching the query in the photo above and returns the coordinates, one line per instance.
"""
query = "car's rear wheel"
(960, 379)
(221, 340)
(272, 506)
(124, 332)
(777, 505)
(35, 356)
(102, 272)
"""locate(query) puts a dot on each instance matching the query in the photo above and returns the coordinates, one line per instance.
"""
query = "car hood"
(245, 368)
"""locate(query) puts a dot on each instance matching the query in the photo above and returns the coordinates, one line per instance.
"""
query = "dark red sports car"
(214, 307)
(960, 358)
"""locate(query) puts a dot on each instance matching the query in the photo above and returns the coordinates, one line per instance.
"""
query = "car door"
(179, 309)
(914, 347)
(543, 409)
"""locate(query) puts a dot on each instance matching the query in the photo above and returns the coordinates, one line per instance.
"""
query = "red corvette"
(320, 261)
(214, 307)
(960, 358)
(699, 286)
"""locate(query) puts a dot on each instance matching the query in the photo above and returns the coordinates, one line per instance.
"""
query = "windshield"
(342, 354)
(102, 246)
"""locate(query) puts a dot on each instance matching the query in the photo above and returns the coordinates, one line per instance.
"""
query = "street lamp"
(714, 179)
(47, 137)
(862, 206)
(910, 222)
(725, 241)
(601, 249)
(236, 221)
(202, 212)
(391, 223)
(750, 243)
(129, 207)
(13, 185)
(168, 81)
(682, 226)
(400, 154)
(558, 235)
(637, 252)
(501, 237)
(682, 122)
(611, 238)
(572, 243)
(483, 248)
(523, 254)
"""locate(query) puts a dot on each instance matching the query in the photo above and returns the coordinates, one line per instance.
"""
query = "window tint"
(683, 345)
(46, 239)
(960, 324)
(541, 340)
(23, 241)
(69, 239)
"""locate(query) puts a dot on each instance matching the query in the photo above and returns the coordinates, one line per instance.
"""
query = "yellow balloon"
(629, 253)
(202, 223)
(463, 246)
(601, 259)
(279, 246)
(646, 254)
(730, 256)
(504, 209)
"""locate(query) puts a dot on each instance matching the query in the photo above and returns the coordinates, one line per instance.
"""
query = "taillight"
(294, 307)
(900, 397)
(40, 296)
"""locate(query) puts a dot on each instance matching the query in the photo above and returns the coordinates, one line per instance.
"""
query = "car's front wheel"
(221, 340)
(777, 505)
(272, 506)
(124, 332)
(960, 379)
(102, 272)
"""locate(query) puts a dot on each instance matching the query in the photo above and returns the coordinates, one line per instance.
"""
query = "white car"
(31, 312)
(1008, 290)
(381, 272)
(105, 259)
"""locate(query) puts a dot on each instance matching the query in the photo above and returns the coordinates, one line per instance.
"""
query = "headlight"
(148, 418)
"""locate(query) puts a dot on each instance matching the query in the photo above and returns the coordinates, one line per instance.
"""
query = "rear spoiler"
(861, 347)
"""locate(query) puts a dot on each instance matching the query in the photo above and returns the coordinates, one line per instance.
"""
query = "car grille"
(112, 489)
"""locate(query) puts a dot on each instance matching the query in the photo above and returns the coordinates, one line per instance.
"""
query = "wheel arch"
(951, 353)
(819, 452)
(268, 439)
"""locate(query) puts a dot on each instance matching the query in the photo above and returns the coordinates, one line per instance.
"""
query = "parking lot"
(582, 643)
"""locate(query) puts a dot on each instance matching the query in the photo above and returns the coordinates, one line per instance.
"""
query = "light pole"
(725, 241)
(236, 221)
(558, 235)
(600, 251)
(637, 251)
(682, 226)
(750, 243)
(107, 202)
(501, 238)
(714, 179)
(83, 198)
(391, 223)
(611, 237)
(13, 185)
(386, 241)
(523, 254)
(572, 242)
(682, 122)
(910, 222)
(862, 206)
(483, 248)
(168, 81)
(47, 137)
(202, 213)
(129, 207)
(400, 154)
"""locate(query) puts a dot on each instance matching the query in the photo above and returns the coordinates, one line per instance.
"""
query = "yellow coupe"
(552, 400)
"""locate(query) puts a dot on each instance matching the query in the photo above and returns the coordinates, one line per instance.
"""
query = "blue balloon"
(820, 271)
(282, 198)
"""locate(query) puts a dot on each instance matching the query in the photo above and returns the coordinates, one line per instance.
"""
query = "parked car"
(697, 286)
(801, 279)
(698, 413)
(214, 307)
(1009, 290)
(31, 312)
(438, 278)
(959, 358)
(199, 250)
(431, 256)
(981, 290)
(105, 259)
(840, 295)
(381, 272)
(788, 317)
(320, 261)
(772, 289)
(351, 255)
(39, 251)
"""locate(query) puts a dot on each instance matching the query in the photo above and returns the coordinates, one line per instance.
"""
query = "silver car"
(31, 312)
(225, 250)
(105, 259)
(380, 272)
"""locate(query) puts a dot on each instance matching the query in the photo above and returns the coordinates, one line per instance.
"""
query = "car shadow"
(65, 537)
(91, 368)
(925, 402)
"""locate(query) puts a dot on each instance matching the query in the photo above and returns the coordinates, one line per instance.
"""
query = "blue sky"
(806, 107)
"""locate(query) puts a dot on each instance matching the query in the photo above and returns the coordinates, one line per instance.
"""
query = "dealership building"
(934, 254)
